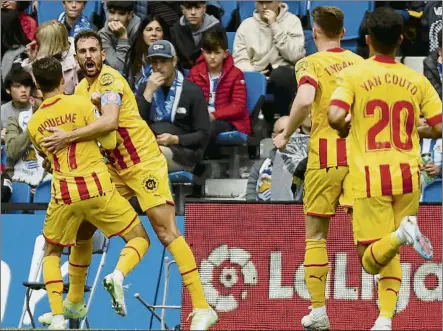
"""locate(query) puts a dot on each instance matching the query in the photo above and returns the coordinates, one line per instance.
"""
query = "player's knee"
(166, 235)
(361, 251)
(317, 227)
(52, 250)
(137, 231)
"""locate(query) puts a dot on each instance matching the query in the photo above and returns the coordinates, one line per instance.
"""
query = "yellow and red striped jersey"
(326, 148)
(135, 141)
(385, 99)
(79, 171)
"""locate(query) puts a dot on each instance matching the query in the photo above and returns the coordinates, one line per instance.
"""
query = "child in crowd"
(223, 85)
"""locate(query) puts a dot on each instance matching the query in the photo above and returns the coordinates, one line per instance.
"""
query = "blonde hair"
(52, 38)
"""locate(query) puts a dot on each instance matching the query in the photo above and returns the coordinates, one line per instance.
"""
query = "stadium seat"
(228, 8)
(432, 192)
(100, 247)
(414, 62)
(186, 72)
(231, 37)
(42, 195)
(353, 17)
(256, 91)
(178, 180)
(4, 155)
(309, 42)
(51, 10)
(21, 193)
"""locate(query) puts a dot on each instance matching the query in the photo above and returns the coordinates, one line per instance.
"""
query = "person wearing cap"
(119, 32)
(187, 33)
(175, 109)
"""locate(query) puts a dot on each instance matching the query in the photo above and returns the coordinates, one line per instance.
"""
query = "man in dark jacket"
(175, 109)
(187, 33)
(432, 67)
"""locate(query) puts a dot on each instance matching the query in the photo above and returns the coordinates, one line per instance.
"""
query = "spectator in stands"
(187, 33)
(169, 11)
(432, 67)
(223, 86)
(18, 85)
(73, 19)
(175, 109)
(6, 185)
(137, 68)
(280, 176)
(13, 43)
(52, 40)
(119, 32)
(23, 162)
(29, 25)
(271, 42)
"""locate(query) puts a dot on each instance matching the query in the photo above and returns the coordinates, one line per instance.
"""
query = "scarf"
(81, 24)
(29, 168)
(264, 182)
(141, 82)
(163, 107)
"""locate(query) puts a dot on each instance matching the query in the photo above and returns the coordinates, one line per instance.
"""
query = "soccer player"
(326, 180)
(81, 190)
(138, 167)
(381, 100)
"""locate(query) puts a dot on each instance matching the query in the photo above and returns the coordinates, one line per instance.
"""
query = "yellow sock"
(79, 261)
(389, 287)
(188, 269)
(132, 254)
(380, 253)
(52, 277)
(316, 270)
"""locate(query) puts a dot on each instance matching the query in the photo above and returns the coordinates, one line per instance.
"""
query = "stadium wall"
(250, 258)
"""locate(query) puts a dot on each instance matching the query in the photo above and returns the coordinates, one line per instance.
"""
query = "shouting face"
(90, 56)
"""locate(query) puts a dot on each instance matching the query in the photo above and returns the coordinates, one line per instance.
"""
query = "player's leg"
(53, 280)
(114, 216)
(322, 191)
(151, 184)
(391, 275)
(60, 229)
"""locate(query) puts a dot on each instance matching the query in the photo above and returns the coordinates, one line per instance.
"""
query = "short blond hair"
(52, 38)
(330, 20)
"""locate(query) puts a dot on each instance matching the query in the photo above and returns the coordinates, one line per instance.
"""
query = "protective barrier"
(251, 264)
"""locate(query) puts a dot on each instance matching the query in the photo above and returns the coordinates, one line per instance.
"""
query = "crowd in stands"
(188, 79)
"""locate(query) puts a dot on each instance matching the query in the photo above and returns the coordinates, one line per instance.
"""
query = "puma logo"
(390, 289)
(315, 277)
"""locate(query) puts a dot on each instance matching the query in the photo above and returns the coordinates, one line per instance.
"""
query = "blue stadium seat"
(309, 42)
(181, 177)
(42, 195)
(21, 193)
(228, 8)
(51, 10)
(231, 37)
(246, 9)
(186, 72)
(432, 192)
(178, 180)
(353, 17)
(256, 92)
(4, 155)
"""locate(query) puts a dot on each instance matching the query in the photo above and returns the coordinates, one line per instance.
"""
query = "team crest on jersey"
(106, 79)
(301, 66)
(151, 184)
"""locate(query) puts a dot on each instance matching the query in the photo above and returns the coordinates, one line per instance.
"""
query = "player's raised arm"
(431, 107)
(339, 117)
(107, 140)
(308, 83)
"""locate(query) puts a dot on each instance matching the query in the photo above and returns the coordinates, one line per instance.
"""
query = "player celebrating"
(81, 190)
(381, 100)
(138, 166)
(326, 177)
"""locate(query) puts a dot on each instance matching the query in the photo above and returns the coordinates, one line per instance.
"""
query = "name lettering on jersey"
(337, 67)
(57, 121)
(390, 79)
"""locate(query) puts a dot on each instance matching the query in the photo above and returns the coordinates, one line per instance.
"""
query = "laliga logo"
(228, 276)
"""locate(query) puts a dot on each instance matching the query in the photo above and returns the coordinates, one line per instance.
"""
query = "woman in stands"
(13, 44)
(52, 40)
(137, 69)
